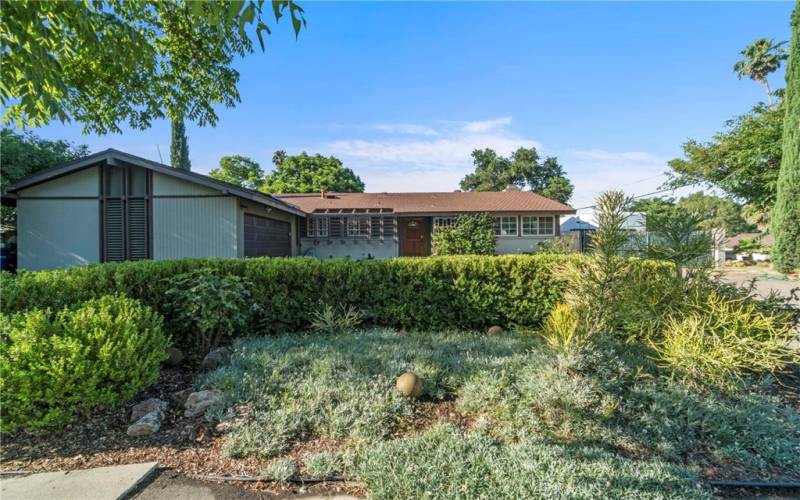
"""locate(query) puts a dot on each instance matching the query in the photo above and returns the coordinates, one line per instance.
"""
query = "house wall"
(271, 213)
(63, 230)
(190, 220)
(324, 248)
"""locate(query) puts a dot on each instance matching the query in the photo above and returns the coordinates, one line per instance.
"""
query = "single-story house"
(113, 206)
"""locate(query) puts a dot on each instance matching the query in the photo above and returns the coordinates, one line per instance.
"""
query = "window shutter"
(138, 236)
(114, 242)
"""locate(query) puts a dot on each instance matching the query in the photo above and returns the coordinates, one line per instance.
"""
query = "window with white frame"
(358, 227)
(442, 222)
(538, 225)
(505, 226)
(317, 227)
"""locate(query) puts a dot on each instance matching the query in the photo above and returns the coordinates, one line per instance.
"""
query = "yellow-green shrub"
(562, 329)
(53, 366)
(721, 339)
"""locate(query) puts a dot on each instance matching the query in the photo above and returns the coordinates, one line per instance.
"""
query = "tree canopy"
(239, 170)
(24, 154)
(761, 58)
(711, 212)
(106, 62)
(304, 173)
(523, 170)
(743, 161)
(786, 224)
(179, 146)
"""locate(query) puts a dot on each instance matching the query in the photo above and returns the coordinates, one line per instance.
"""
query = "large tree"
(743, 161)
(106, 62)
(23, 154)
(761, 58)
(304, 173)
(711, 211)
(786, 223)
(179, 146)
(239, 170)
(523, 170)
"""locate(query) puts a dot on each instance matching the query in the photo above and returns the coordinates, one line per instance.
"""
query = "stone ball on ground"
(495, 330)
(174, 356)
(409, 384)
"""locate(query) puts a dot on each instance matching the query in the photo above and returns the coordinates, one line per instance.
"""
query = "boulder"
(146, 425)
(215, 358)
(198, 402)
(174, 357)
(495, 330)
(233, 417)
(409, 384)
(139, 410)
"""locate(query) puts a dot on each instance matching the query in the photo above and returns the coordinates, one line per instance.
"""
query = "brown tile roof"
(766, 239)
(429, 203)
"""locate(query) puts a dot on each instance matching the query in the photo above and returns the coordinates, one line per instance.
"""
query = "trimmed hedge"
(429, 293)
(54, 365)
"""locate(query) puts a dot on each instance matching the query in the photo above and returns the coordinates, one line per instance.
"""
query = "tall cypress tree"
(179, 149)
(786, 216)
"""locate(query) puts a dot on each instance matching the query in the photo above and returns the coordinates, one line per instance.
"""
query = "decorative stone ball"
(408, 384)
(174, 356)
(495, 330)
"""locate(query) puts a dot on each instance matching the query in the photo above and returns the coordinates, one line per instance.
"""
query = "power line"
(636, 197)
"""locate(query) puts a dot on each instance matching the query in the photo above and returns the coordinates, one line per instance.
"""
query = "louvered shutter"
(114, 230)
(137, 229)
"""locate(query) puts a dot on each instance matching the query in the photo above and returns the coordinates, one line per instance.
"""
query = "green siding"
(194, 227)
(57, 233)
(82, 183)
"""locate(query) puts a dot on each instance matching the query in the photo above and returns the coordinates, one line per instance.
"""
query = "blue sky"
(403, 92)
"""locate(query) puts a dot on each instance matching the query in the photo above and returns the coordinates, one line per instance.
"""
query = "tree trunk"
(769, 91)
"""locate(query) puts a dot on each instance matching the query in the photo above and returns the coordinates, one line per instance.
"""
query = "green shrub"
(471, 234)
(444, 462)
(336, 320)
(205, 306)
(280, 470)
(563, 329)
(325, 464)
(721, 339)
(53, 366)
(431, 293)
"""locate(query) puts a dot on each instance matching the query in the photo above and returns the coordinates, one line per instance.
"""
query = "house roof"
(766, 239)
(576, 224)
(428, 203)
(113, 157)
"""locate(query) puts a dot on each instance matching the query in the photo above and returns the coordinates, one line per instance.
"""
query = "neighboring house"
(381, 225)
(576, 224)
(752, 243)
(112, 206)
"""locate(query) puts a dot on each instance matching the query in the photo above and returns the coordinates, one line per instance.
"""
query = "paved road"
(766, 281)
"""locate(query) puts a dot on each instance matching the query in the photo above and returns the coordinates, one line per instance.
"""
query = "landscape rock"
(215, 358)
(495, 330)
(409, 384)
(146, 425)
(198, 402)
(174, 357)
(181, 396)
(233, 417)
(139, 410)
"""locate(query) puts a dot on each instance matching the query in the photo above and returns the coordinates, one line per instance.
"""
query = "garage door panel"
(266, 237)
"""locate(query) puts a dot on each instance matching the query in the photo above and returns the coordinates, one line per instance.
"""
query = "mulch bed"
(187, 446)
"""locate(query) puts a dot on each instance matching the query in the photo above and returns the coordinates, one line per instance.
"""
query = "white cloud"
(436, 162)
(486, 125)
(405, 128)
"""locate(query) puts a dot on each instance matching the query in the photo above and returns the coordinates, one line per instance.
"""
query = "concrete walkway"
(102, 483)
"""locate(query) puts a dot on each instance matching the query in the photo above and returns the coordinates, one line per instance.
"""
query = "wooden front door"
(415, 233)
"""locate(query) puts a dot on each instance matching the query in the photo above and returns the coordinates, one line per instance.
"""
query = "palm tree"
(762, 57)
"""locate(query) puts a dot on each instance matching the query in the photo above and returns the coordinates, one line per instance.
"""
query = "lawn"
(500, 416)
